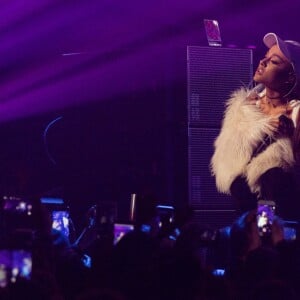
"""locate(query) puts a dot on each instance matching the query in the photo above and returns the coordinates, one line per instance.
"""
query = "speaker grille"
(203, 193)
(213, 74)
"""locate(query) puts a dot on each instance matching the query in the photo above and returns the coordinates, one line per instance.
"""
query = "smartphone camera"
(265, 217)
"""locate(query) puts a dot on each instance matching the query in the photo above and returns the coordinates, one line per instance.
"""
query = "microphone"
(253, 93)
(259, 88)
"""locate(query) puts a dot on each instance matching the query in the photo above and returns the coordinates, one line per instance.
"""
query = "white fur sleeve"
(243, 127)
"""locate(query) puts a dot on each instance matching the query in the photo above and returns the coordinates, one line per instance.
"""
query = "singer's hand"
(285, 126)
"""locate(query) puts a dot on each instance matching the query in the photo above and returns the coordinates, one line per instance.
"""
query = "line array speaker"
(213, 73)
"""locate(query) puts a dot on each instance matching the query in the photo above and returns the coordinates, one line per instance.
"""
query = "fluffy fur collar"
(243, 128)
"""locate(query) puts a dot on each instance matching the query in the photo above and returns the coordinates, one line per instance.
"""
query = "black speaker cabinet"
(213, 73)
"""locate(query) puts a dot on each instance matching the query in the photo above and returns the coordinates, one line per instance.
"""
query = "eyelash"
(270, 60)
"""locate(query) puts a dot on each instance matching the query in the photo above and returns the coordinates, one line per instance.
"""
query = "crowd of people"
(174, 258)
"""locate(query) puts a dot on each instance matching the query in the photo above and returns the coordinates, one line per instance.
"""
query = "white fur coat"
(244, 127)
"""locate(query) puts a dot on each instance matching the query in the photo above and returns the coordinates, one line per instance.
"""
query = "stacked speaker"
(213, 73)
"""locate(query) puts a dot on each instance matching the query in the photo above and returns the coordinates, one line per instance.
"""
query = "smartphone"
(120, 230)
(14, 264)
(265, 216)
(60, 221)
(218, 272)
(87, 261)
(146, 228)
(213, 33)
(290, 230)
(165, 215)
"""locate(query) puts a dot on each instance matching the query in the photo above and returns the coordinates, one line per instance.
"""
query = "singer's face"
(273, 70)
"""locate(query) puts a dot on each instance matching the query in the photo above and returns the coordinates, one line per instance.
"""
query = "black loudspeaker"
(213, 74)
